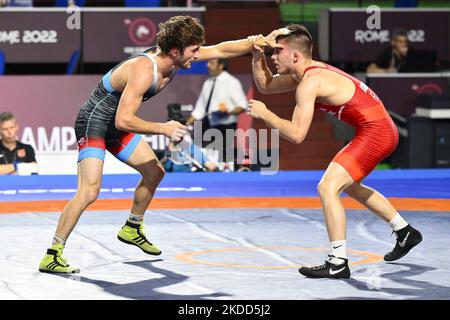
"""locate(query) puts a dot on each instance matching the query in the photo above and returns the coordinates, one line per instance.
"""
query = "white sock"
(133, 218)
(397, 223)
(58, 239)
(339, 251)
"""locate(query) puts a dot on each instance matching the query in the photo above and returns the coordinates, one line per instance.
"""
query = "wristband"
(15, 165)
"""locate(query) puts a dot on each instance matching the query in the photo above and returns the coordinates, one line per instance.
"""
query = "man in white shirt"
(220, 102)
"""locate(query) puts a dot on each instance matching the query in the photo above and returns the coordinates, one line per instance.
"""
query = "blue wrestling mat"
(429, 183)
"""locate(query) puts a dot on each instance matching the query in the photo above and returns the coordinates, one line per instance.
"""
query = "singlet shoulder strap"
(107, 76)
(315, 67)
(155, 71)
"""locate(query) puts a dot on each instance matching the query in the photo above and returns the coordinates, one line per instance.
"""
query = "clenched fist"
(256, 109)
(174, 130)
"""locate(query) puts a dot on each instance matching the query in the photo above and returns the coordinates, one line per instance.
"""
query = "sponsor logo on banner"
(142, 33)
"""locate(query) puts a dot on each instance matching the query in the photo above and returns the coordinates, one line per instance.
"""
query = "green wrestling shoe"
(132, 233)
(53, 262)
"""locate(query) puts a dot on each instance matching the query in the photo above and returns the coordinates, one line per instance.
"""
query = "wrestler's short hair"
(180, 32)
(300, 38)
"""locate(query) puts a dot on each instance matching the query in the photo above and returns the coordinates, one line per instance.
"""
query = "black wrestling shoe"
(327, 270)
(407, 238)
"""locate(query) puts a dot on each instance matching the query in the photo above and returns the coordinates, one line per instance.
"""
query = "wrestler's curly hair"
(180, 32)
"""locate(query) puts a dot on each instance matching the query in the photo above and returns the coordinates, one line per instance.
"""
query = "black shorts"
(96, 131)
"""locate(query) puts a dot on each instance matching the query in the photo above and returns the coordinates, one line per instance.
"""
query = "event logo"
(363, 36)
(28, 36)
(374, 33)
(142, 31)
(382, 36)
(427, 88)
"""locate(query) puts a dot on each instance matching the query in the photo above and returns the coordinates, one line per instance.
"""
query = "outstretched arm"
(235, 48)
(225, 50)
(296, 129)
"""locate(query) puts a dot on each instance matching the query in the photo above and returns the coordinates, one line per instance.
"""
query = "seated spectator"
(13, 152)
(187, 157)
(394, 58)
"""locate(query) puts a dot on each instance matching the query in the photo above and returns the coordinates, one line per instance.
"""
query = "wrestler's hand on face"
(174, 130)
(271, 39)
(256, 109)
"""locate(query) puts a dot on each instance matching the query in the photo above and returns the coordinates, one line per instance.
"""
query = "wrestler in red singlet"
(376, 136)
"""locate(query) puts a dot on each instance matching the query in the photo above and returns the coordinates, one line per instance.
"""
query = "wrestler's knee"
(328, 187)
(153, 175)
(88, 193)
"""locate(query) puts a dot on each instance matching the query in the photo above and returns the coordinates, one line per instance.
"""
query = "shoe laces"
(396, 235)
(321, 267)
(141, 231)
(64, 260)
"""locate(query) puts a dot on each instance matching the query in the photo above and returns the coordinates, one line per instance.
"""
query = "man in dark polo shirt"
(394, 58)
(12, 152)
